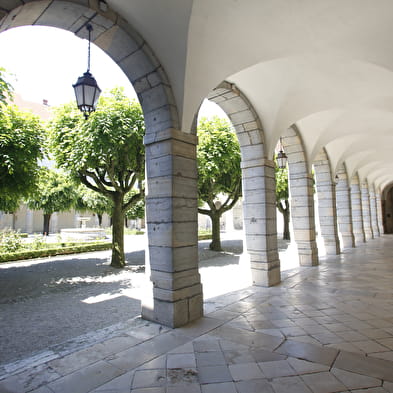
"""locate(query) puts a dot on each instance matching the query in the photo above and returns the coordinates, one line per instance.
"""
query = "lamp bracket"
(86, 23)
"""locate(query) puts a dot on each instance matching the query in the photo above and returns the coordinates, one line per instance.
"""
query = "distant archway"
(387, 209)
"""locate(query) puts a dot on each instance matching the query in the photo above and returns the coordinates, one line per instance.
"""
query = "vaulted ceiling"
(325, 66)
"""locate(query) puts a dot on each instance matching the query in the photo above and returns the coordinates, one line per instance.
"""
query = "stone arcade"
(317, 74)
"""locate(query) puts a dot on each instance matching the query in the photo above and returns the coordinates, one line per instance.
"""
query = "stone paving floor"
(323, 329)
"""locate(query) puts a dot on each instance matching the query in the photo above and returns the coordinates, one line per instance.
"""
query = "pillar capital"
(168, 134)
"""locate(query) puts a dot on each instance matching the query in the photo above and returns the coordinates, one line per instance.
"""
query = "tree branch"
(102, 190)
(134, 199)
(204, 211)
(111, 175)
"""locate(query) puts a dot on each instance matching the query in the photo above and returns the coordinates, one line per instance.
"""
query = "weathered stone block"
(155, 97)
(175, 280)
(266, 278)
(252, 152)
(168, 259)
(117, 44)
(172, 314)
(195, 307)
(161, 119)
(233, 105)
(171, 187)
(137, 64)
(180, 294)
(242, 117)
(172, 165)
(304, 235)
(173, 234)
(171, 210)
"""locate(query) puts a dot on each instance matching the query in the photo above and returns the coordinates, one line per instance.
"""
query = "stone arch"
(171, 174)
(116, 38)
(344, 208)
(301, 195)
(258, 183)
(326, 191)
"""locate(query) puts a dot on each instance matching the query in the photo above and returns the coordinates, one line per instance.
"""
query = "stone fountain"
(82, 232)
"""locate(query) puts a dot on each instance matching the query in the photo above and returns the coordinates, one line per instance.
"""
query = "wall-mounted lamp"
(86, 88)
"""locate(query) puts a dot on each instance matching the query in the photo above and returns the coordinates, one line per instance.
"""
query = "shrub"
(38, 243)
(10, 241)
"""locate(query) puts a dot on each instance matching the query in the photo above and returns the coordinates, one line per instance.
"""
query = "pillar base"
(266, 278)
(332, 248)
(173, 314)
(308, 254)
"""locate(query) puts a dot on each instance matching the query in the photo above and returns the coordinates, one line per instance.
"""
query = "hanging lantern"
(86, 88)
(282, 158)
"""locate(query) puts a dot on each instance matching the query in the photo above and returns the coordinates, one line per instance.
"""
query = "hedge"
(48, 252)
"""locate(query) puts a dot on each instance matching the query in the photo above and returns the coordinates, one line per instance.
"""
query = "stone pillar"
(373, 212)
(357, 212)
(29, 221)
(171, 214)
(259, 211)
(379, 212)
(368, 233)
(302, 215)
(327, 206)
(344, 211)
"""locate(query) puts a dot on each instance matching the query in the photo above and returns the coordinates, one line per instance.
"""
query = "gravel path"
(52, 300)
(68, 301)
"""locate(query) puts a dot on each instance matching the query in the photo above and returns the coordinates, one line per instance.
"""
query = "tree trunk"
(99, 216)
(118, 258)
(286, 233)
(45, 231)
(215, 245)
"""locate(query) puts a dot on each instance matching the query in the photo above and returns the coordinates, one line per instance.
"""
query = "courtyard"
(327, 328)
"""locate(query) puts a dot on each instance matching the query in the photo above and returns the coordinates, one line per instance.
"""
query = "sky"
(45, 62)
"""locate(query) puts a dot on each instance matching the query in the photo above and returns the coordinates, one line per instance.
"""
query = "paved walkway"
(324, 329)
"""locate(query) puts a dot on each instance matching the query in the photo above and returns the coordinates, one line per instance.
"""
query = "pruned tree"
(55, 192)
(89, 200)
(6, 88)
(219, 173)
(21, 141)
(106, 154)
(282, 199)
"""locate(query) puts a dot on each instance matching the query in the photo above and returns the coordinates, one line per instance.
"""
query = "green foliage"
(5, 88)
(218, 160)
(137, 210)
(38, 243)
(282, 192)
(53, 249)
(55, 192)
(282, 198)
(105, 153)
(10, 241)
(219, 172)
(21, 138)
(89, 200)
